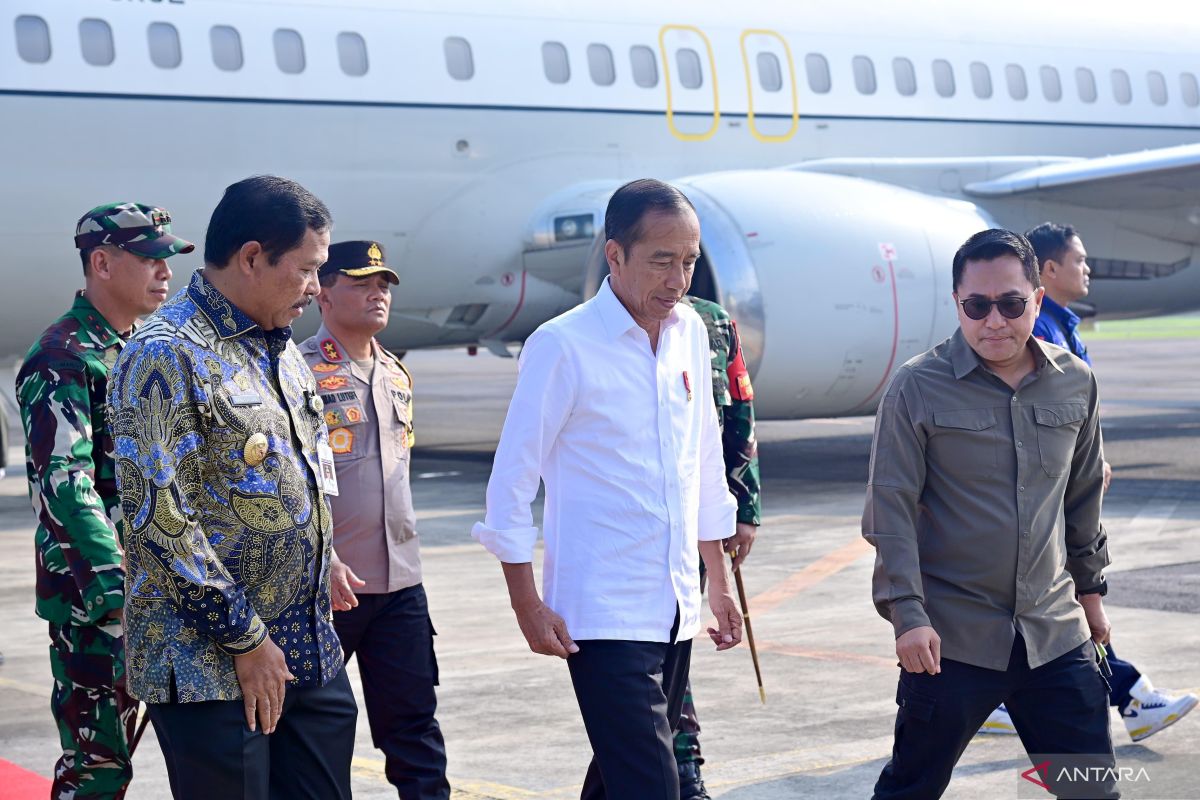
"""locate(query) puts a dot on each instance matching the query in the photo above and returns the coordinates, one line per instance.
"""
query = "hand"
(729, 618)
(740, 543)
(1097, 619)
(116, 614)
(263, 674)
(920, 650)
(1107, 475)
(544, 630)
(342, 581)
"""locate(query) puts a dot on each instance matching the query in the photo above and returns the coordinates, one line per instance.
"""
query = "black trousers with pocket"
(1060, 711)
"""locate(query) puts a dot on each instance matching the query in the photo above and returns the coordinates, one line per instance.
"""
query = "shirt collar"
(100, 328)
(964, 360)
(1065, 317)
(616, 318)
(228, 319)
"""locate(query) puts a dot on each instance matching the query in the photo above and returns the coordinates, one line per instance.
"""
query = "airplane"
(837, 153)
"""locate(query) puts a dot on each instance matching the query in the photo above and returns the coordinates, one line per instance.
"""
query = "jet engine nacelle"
(834, 281)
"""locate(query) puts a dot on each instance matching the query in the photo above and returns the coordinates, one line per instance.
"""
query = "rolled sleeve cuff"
(511, 546)
(907, 614)
(717, 521)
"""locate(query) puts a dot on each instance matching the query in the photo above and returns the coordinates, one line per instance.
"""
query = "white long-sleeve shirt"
(627, 444)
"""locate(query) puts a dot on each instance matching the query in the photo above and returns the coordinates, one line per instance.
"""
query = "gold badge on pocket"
(255, 450)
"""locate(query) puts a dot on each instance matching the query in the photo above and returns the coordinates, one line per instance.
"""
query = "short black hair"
(85, 255)
(275, 212)
(633, 201)
(1050, 241)
(993, 243)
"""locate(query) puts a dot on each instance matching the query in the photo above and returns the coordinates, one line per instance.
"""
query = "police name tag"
(328, 470)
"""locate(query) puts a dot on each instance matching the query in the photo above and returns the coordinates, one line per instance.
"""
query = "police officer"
(734, 397)
(69, 458)
(382, 613)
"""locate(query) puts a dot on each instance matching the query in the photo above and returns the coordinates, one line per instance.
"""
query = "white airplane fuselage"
(840, 279)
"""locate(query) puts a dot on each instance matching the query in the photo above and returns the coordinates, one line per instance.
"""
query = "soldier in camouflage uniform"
(69, 459)
(734, 397)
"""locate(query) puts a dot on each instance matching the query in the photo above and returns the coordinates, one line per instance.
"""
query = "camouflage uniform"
(734, 398)
(68, 453)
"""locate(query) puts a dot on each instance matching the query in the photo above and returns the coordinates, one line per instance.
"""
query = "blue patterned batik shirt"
(216, 424)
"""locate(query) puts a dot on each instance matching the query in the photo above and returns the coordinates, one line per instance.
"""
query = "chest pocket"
(1057, 431)
(966, 441)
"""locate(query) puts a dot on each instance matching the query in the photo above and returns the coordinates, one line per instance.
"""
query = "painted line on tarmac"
(463, 790)
(36, 689)
(825, 655)
(1154, 516)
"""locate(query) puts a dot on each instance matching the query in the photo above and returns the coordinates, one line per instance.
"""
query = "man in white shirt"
(612, 412)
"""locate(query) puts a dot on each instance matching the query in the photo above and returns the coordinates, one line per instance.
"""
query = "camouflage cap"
(358, 260)
(140, 229)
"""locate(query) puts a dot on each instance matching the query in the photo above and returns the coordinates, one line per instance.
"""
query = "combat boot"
(691, 786)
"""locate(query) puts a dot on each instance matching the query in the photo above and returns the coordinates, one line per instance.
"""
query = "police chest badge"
(255, 450)
(333, 382)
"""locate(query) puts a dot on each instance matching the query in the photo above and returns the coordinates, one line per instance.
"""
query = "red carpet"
(18, 783)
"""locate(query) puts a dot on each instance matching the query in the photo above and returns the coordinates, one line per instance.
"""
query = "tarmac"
(512, 728)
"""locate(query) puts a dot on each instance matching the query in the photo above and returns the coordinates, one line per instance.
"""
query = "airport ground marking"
(768, 646)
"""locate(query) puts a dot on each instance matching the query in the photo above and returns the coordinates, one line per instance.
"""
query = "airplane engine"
(834, 281)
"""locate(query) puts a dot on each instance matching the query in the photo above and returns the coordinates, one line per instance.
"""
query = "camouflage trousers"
(95, 716)
(687, 735)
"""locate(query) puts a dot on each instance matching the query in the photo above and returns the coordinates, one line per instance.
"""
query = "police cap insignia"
(358, 259)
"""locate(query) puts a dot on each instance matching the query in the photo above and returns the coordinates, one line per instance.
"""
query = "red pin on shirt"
(687, 384)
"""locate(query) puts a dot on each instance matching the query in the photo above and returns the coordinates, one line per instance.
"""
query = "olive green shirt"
(983, 503)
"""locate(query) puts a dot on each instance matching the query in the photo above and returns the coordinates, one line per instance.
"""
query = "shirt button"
(1014, 399)
(1020, 488)
(1019, 445)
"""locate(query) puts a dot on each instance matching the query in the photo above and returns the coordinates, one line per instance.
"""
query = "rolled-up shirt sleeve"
(718, 507)
(894, 487)
(540, 406)
(1087, 543)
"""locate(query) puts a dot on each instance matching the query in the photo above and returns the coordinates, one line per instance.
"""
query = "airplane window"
(600, 65)
(1190, 89)
(555, 62)
(1014, 75)
(33, 39)
(1158, 87)
(1085, 82)
(460, 63)
(981, 80)
(864, 75)
(645, 66)
(691, 75)
(226, 47)
(352, 54)
(943, 77)
(96, 41)
(164, 45)
(770, 74)
(289, 51)
(1051, 83)
(905, 75)
(817, 68)
(1122, 89)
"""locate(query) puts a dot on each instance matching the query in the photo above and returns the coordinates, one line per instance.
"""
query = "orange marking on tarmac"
(824, 655)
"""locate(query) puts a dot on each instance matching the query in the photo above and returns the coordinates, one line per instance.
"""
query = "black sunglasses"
(980, 307)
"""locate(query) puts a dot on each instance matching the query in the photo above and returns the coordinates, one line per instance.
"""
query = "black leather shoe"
(691, 786)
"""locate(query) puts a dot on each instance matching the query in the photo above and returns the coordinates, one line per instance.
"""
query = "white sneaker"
(1149, 710)
(999, 722)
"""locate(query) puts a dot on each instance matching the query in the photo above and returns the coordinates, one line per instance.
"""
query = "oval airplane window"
(981, 80)
(770, 74)
(96, 42)
(289, 51)
(1014, 75)
(600, 65)
(645, 66)
(164, 45)
(1085, 82)
(816, 67)
(1051, 83)
(905, 75)
(226, 45)
(352, 54)
(864, 75)
(555, 62)
(1190, 89)
(1122, 88)
(460, 62)
(33, 39)
(1158, 87)
(691, 74)
(943, 78)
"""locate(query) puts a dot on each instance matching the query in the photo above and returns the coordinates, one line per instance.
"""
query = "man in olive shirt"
(382, 614)
(983, 505)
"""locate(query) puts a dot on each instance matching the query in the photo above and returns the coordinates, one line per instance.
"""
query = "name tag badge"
(329, 483)
(245, 400)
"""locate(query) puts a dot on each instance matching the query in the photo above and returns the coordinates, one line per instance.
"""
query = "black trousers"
(1060, 711)
(210, 751)
(630, 695)
(392, 637)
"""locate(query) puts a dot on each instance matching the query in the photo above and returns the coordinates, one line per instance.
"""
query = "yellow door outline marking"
(763, 137)
(712, 69)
